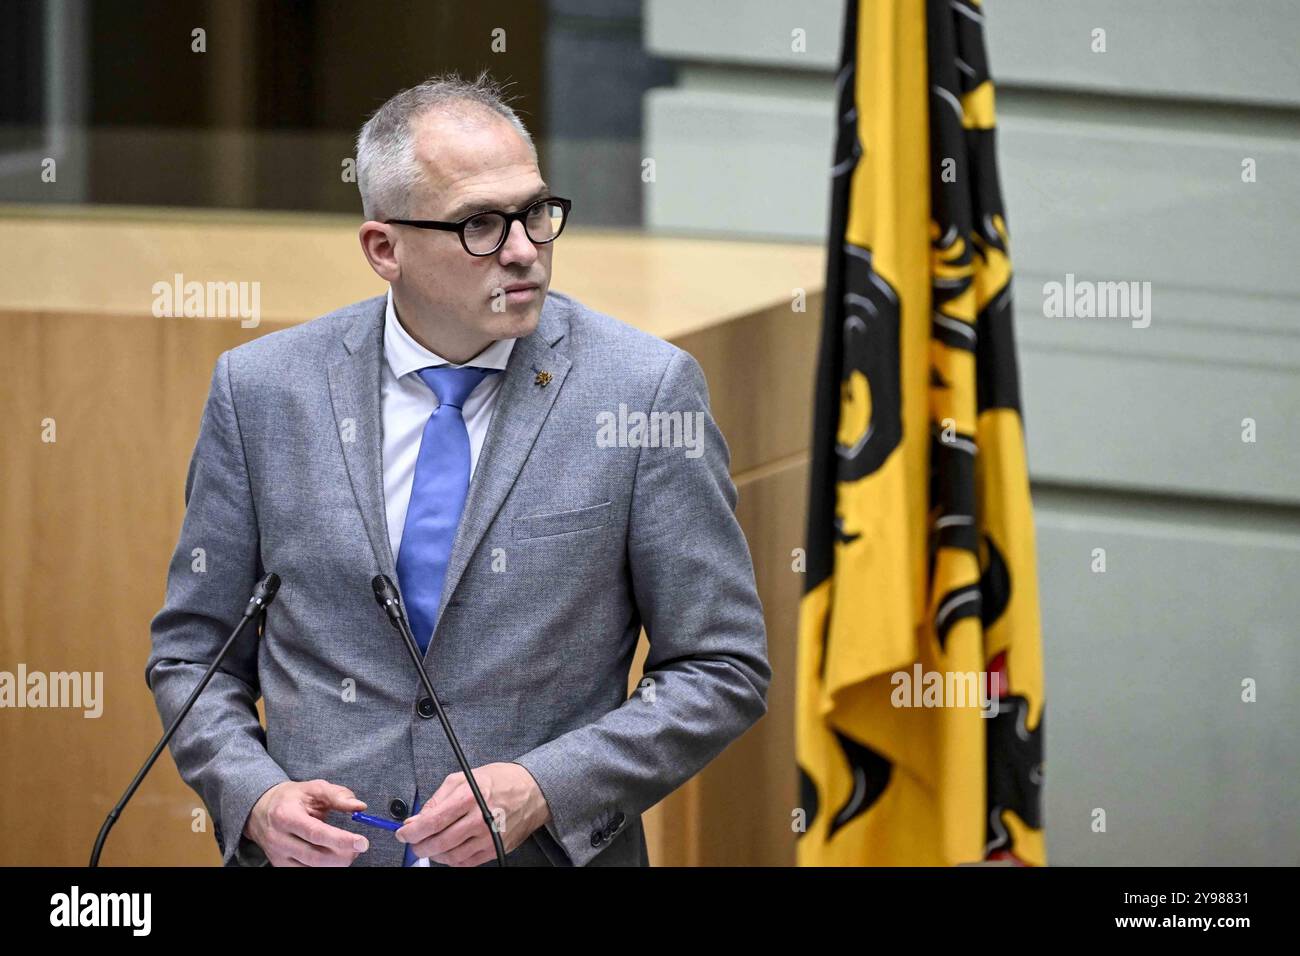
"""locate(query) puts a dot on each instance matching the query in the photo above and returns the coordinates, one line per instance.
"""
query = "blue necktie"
(437, 500)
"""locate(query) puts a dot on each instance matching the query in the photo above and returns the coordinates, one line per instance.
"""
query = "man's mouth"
(520, 291)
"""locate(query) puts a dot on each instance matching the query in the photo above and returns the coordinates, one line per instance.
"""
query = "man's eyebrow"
(467, 208)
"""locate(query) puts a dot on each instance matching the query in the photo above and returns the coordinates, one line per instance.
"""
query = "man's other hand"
(287, 822)
(449, 828)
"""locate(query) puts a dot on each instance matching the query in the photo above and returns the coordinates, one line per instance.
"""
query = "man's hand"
(450, 829)
(287, 823)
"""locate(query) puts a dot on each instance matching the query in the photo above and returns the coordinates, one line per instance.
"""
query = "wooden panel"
(737, 811)
(107, 260)
(748, 794)
(89, 522)
(760, 372)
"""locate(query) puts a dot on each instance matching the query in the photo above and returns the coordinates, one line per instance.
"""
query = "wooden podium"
(89, 520)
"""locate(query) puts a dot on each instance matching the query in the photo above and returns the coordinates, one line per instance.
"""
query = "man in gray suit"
(539, 480)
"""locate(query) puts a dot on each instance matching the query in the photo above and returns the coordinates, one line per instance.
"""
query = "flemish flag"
(920, 613)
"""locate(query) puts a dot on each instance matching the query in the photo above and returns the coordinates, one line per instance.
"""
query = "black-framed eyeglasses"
(483, 233)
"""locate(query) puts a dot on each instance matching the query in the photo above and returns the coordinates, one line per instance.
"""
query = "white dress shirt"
(407, 403)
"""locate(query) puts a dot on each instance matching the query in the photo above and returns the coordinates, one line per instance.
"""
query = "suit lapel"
(522, 405)
(355, 394)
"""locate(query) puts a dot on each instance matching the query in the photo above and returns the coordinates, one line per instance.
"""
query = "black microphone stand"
(386, 595)
(262, 597)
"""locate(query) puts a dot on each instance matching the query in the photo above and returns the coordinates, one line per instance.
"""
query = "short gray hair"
(387, 171)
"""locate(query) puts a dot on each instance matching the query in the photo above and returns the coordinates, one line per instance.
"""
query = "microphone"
(262, 597)
(386, 595)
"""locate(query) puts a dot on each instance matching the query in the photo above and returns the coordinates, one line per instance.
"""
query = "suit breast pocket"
(562, 522)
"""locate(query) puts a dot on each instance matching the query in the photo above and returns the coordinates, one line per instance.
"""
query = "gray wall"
(1116, 166)
(597, 71)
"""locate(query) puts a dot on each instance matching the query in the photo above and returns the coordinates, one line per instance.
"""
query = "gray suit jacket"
(565, 549)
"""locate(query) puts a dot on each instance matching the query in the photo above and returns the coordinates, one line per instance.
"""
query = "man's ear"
(379, 245)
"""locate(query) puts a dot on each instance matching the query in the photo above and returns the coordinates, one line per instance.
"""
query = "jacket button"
(596, 838)
(399, 809)
(425, 708)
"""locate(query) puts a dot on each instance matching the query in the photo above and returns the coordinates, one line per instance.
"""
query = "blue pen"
(376, 821)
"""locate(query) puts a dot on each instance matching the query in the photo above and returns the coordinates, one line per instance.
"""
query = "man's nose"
(518, 247)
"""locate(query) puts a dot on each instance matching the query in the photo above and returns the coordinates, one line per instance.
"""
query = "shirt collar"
(406, 355)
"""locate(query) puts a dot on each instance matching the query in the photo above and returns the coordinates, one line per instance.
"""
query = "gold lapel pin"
(543, 379)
